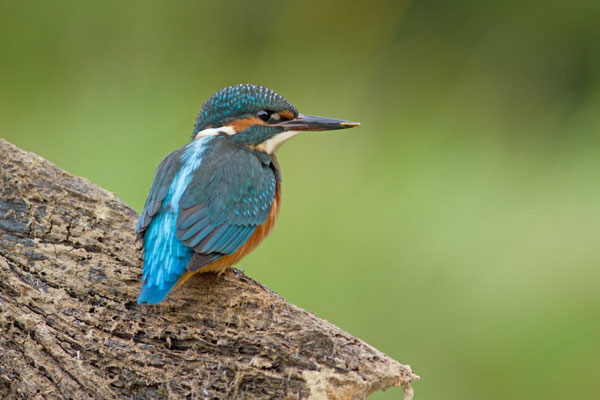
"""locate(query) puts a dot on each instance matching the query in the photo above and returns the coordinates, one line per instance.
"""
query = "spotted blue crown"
(235, 101)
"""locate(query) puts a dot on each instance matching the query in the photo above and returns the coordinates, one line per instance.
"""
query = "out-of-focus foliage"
(458, 229)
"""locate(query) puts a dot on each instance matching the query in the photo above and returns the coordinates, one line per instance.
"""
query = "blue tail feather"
(153, 294)
(165, 259)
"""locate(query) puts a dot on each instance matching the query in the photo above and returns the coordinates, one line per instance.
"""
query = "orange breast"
(253, 241)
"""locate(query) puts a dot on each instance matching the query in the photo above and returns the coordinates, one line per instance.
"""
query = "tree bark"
(70, 326)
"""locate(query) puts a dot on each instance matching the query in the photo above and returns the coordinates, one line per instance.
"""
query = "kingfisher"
(215, 199)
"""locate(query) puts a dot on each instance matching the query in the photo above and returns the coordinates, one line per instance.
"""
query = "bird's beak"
(311, 123)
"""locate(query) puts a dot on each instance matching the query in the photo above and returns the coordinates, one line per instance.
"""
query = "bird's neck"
(267, 159)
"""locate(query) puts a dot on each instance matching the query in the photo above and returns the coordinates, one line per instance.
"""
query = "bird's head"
(257, 117)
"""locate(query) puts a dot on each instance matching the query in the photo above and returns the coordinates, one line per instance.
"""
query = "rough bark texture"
(70, 327)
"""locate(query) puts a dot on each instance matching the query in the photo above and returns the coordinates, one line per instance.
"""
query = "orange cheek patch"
(286, 114)
(244, 123)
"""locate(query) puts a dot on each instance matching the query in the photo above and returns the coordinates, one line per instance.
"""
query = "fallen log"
(70, 326)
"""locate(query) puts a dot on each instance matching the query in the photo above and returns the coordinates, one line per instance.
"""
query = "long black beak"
(311, 123)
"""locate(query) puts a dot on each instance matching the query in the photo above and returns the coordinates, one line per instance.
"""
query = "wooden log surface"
(70, 326)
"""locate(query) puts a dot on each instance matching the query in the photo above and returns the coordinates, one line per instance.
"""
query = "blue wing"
(205, 202)
(230, 194)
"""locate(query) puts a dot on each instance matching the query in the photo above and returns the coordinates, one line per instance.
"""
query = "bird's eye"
(264, 115)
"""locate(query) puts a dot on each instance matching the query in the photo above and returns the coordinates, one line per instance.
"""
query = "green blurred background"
(457, 229)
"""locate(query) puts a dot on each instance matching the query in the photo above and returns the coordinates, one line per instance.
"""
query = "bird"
(215, 199)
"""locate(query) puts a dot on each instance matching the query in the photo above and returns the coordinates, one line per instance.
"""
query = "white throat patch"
(270, 146)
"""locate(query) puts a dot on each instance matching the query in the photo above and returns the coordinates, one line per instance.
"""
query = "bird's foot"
(235, 273)
(230, 273)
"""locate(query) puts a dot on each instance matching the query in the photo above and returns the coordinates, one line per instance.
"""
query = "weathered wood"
(70, 327)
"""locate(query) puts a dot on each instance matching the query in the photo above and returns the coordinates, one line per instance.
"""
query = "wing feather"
(229, 195)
